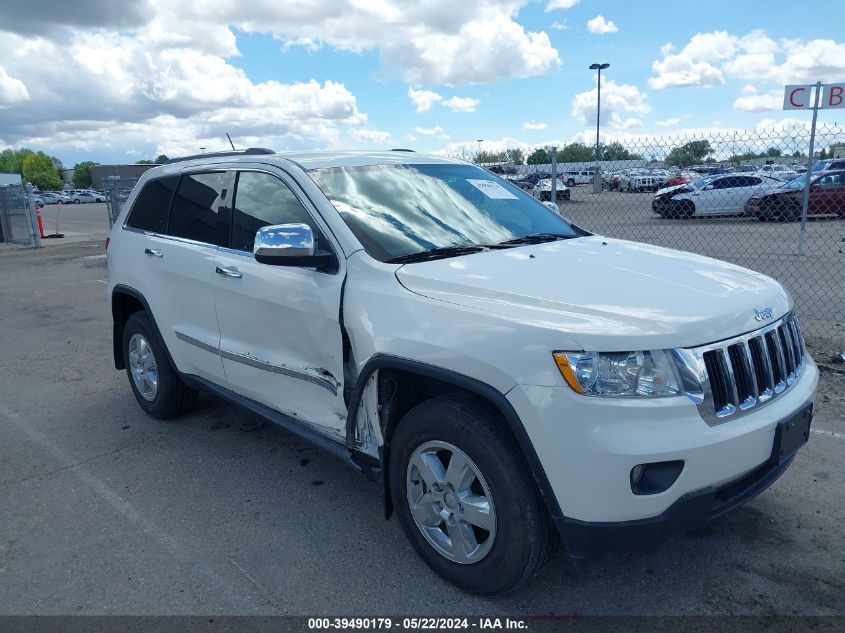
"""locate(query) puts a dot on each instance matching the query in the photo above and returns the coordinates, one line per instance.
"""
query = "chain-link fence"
(16, 216)
(117, 190)
(739, 197)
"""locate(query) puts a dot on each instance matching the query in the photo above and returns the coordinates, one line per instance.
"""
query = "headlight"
(618, 373)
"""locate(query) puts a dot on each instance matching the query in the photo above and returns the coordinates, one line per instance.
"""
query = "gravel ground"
(106, 511)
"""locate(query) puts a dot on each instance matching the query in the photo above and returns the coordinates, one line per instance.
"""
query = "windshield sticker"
(491, 189)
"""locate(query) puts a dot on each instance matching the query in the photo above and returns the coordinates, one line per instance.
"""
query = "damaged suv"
(512, 379)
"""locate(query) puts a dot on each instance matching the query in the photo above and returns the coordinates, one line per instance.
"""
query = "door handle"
(229, 272)
(153, 253)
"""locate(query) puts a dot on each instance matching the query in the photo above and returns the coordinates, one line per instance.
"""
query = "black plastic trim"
(118, 349)
(336, 448)
(494, 396)
(692, 511)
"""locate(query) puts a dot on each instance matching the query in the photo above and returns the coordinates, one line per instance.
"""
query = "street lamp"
(478, 156)
(599, 68)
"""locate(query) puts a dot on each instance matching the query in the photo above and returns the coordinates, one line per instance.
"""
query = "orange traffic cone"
(40, 223)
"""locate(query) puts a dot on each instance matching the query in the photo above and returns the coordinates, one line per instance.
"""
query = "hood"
(606, 294)
(665, 190)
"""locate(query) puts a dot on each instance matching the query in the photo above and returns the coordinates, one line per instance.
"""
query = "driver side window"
(262, 199)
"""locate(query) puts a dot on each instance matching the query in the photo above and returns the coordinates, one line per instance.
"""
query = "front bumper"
(588, 446)
(692, 511)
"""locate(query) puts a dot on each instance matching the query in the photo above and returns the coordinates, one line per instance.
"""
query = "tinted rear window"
(199, 209)
(149, 213)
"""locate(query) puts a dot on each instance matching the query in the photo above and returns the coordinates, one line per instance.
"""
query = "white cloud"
(12, 90)
(631, 122)
(559, 25)
(617, 101)
(599, 26)
(423, 99)
(671, 122)
(561, 4)
(534, 125)
(370, 136)
(409, 137)
(461, 104)
(432, 131)
(709, 57)
(751, 101)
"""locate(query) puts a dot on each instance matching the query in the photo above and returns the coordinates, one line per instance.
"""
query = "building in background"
(124, 172)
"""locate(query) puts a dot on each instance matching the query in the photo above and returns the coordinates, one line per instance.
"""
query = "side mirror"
(551, 205)
(708, 188)
(289, 245)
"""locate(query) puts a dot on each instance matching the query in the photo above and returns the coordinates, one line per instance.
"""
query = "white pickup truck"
(512, 379)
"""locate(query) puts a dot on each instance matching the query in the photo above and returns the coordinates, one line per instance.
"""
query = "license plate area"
(791, 434)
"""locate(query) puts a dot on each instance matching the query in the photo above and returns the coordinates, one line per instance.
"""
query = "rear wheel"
(570, 183)
(465, 498)
(154, 382)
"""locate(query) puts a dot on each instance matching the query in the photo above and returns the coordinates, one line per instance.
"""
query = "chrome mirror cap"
(284, 240)
(551, 205)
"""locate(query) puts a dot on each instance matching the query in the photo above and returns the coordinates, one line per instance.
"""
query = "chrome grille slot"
(740, 374)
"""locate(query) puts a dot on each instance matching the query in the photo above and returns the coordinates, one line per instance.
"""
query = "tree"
(40, 170)
(617, 151)
(574, 153)
(82, 174)
(162, 159)
(489, 157)
(774, 152)
(822, 155)
(691, 153)
(539, 156)
(11, 160)
(146, 161)
(515, 155)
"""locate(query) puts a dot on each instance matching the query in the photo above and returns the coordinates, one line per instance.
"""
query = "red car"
(827, 197)
(681, 178)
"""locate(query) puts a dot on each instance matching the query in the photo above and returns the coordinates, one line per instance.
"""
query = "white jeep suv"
(510, 377)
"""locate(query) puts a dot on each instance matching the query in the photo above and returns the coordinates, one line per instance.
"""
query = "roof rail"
(402, 149)
(239, 152)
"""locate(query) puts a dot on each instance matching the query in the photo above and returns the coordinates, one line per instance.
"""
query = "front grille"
(745, 372)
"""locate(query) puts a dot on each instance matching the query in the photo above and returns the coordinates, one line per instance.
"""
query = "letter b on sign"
(834, 96)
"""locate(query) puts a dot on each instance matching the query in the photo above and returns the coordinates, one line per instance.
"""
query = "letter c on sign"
(834, 96)
(792, 97)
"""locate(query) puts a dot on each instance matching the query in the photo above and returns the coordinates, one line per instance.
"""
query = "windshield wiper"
(537, 238)
(436, 253)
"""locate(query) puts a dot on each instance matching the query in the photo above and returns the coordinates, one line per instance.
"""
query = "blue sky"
(167, 79)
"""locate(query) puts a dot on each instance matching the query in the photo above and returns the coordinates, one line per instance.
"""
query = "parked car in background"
(711, 195)
(543, 190)
(827, 197)
(784, 173)
(828, 165)
(578, 177)
(527, 181)
(681, 178)
(54, 197)
(87, 196)
(37, 200)
(640, 180)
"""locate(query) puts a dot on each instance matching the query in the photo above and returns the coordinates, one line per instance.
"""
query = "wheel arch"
(431, 376)
(126, 301)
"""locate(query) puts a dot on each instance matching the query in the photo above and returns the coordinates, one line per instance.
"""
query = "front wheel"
(465, 498)
(570, 183)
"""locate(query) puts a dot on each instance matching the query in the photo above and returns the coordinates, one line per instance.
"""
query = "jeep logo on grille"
(763, 314)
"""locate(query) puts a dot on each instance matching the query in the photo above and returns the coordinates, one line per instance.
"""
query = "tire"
(169, 397)
(522, 534)
(570, 183)
(682, 210)
(77, 201)
(789, 211)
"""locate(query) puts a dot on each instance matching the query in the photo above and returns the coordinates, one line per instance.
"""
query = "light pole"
(597, 175)
(478, 156)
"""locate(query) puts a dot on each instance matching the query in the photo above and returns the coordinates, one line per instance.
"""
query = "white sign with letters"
(802, 96)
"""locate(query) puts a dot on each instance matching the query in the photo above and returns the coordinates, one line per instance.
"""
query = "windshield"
(698, 184)
(397, 210)
(819, 166)
(796, 183)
